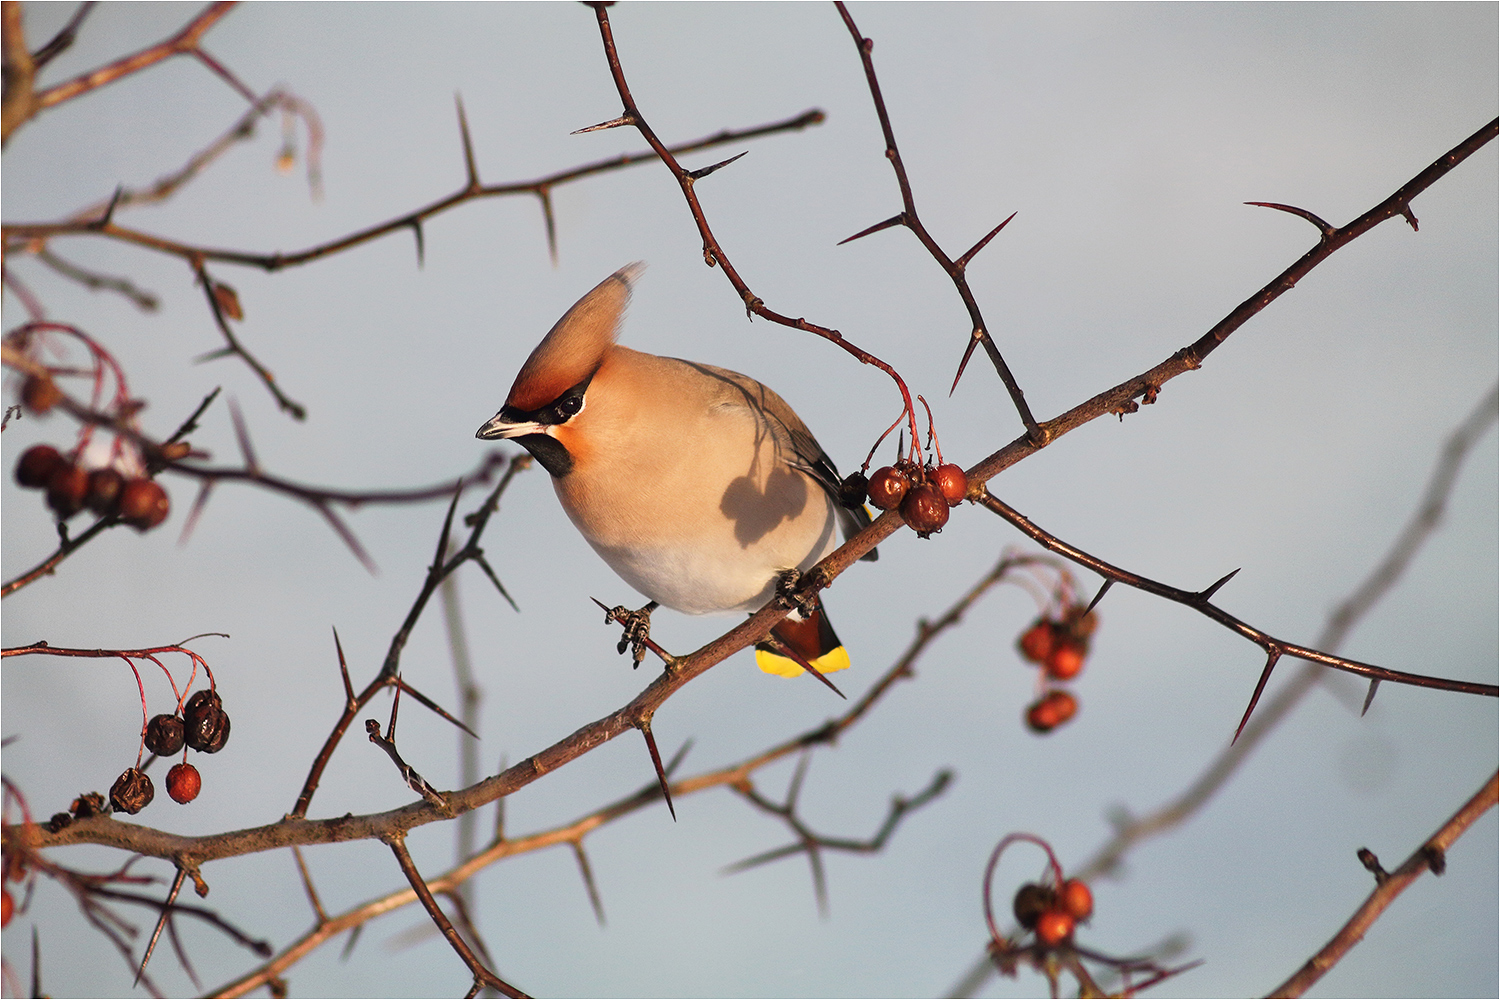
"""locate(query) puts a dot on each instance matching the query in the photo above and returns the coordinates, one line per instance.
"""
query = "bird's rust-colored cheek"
(577, 444)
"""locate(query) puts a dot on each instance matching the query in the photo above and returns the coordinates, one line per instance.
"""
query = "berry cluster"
(923, 494)
(1052, 912)
(1060, 646)
(202, 726)
(137, 501)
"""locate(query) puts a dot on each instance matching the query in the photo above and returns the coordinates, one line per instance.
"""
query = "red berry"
(1036, 642)
(184, 782)
(925, 509)
(7, 908)
(951, 481)
(37, 465)
(143, 504)
(1076, 899)
(40, 393)
(1065, 660)
(888, 487)
(1051, 710)
(66, 489)
(1053, 928)
(105, 487)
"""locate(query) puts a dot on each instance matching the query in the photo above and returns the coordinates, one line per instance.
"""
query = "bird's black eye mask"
(559, 411)
(545, 449)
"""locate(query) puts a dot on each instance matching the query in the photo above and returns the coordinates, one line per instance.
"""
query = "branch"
(1430, 856)
(955, 269)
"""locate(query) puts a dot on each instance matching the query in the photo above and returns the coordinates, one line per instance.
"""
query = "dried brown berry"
(183, 783)
(853, 491)
(951, 482)
(66, 489)
(1051, 710)
(164, 735)
(1076, 899)
(925, 509)
(888, 487)
(1065, 660)
(105, 488)
(1054, 927)
(86, 805)
(1031, 902)
(206, 723)
(40, 394)
(143, 504)
(131, 792)
(37, 465)
(1036, 642)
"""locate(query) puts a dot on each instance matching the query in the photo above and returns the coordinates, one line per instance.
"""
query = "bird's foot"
(799, 590)
(637, 625)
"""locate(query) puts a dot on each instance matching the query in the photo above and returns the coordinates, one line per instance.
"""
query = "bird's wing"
(795, 443)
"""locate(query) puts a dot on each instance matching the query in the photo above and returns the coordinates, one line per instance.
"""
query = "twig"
(1428, 857)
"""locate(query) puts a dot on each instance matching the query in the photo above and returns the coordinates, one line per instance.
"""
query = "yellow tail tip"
(785, 666)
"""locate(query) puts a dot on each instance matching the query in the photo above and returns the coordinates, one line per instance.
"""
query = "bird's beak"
(498, 427)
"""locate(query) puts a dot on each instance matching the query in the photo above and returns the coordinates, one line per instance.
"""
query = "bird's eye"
(567, 407)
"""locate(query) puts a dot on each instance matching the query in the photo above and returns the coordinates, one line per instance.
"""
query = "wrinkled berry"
(888, 487)
(132, 791)
(925, 510)
(853, 491)
(206, 724)
(86, 805)
(164, 735)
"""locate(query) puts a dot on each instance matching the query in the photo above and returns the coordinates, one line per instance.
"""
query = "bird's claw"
(637, 630)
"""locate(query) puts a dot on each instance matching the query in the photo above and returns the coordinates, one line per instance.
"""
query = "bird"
(699, 486)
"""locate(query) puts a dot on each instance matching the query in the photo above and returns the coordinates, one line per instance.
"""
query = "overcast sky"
(1126, 138)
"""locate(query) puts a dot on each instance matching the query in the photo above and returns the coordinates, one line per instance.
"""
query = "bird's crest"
(575, 346)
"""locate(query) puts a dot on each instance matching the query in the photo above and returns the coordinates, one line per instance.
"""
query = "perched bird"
(698, 485)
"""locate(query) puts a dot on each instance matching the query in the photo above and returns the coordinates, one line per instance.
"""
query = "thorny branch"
(294, 831)
(22, 102)
(1130, 831)
(713, 253)
(956, 269)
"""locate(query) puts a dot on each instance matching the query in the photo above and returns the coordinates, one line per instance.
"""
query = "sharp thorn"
(1369, 697)
(1214, 588)
(895, 220)
(625, 119)
(1265, 675)
(1099, 596)
(661, 775)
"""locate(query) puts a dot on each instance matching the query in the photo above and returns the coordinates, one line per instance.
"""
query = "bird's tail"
(812, 638)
